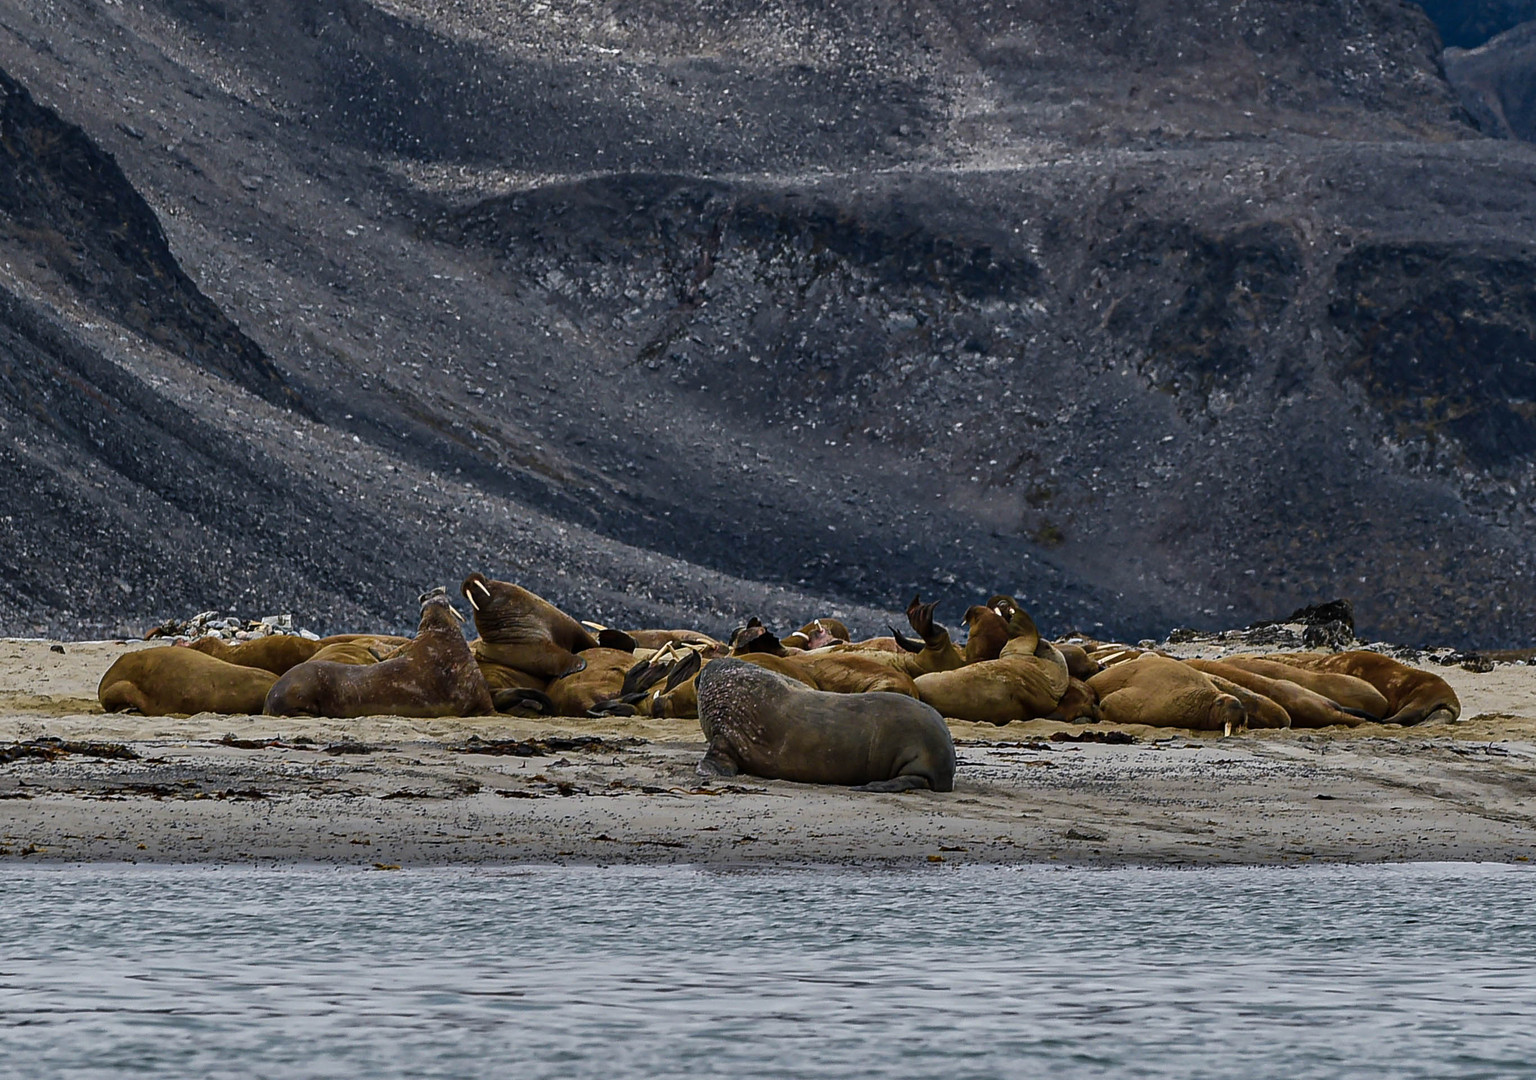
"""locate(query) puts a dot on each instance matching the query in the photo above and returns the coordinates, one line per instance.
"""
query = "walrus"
(600, 681)
(1162, 692)
(1026, 682)
(1079, 664)
(523, 630)
(274, 652)
(1078, 704)
(1348, 691)
(1306, 708)
(659, 639)
(1413, 696)
(176, 680)
(436, 675)
(986, 632)
(1258, 711)
(839, 672)
(761, 723)
(817, 633)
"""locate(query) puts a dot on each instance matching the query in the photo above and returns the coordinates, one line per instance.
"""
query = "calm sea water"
(1400, 971)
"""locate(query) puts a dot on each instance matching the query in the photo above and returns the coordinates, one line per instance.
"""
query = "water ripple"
(1400, 971)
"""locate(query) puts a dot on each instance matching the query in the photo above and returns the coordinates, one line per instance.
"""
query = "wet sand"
(388, 791)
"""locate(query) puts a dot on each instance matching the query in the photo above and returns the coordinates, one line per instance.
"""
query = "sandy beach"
(388, 791)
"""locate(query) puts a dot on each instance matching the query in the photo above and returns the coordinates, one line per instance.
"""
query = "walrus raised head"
(522, 630)
(817, 634)
(435, 675)
(764, 724)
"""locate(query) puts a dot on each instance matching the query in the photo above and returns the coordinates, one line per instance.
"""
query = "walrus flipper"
(609, 638)
(907, 644)
(897, 783)
(717, 763)
(684, 671)
(521, 697)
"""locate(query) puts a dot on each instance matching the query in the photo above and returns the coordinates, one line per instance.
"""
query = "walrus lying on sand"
(177, 680)
(1162, 692)
(1026, 682)
(436, 675)
(1304, 708)
(761, 723)
(1412, 696)
(522, 630)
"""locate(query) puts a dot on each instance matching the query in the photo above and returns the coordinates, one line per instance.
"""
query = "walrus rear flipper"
(717, 763)
(612, 707)
(911, 645)
(1438, 712)
(521, 697)
(898, 783)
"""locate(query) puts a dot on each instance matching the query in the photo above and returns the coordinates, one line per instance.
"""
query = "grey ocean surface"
(941, 971)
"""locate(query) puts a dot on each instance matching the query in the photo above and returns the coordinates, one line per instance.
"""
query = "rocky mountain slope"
(1149, 313)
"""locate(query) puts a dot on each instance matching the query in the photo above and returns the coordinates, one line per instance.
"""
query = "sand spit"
(391, 792)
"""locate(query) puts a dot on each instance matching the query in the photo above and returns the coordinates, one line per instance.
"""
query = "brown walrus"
(986, 632)
(1078, 704)
(1306, 708)
(1348, 691)
(1413, 696)
(275, 652)
(172, 679)
(818, 633)
(1259, 711)
(761, 723)
(600, 681)
(1162, 692)
(839, 672)
(1026, 682)
(523, 630)
(436, 675)
(659, 639)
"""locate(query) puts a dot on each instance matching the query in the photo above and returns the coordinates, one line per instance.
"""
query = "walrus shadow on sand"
(764, 724)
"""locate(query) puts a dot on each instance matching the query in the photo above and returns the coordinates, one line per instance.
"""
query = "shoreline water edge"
(78, 785)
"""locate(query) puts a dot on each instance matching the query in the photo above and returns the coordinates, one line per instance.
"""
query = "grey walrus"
(764, 724)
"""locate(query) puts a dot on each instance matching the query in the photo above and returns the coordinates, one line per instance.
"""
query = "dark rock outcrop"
(1497, 82)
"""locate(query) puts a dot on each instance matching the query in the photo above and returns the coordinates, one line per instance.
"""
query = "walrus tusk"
(1226, 731)
(482, 587)
(456, 613)
(471, 598)
(599, 627)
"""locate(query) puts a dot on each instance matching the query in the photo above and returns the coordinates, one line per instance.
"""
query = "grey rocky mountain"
(1152, 314)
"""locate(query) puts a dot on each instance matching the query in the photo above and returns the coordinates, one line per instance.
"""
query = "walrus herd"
(813, 706)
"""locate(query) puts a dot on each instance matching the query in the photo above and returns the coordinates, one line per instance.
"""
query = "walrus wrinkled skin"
(1305, 708)
(838, 672)
(1025, 683)
(1347, 691)
(1413, 696)
(436, 675)
(177, 680)
(522, 630)
(1162, 692)
(761, 723)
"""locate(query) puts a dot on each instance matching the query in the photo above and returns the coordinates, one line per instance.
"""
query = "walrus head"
(1228, 714)
(499, 606)
(986, 634)
(438, 612)
(755, 637)
(1018, 620)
